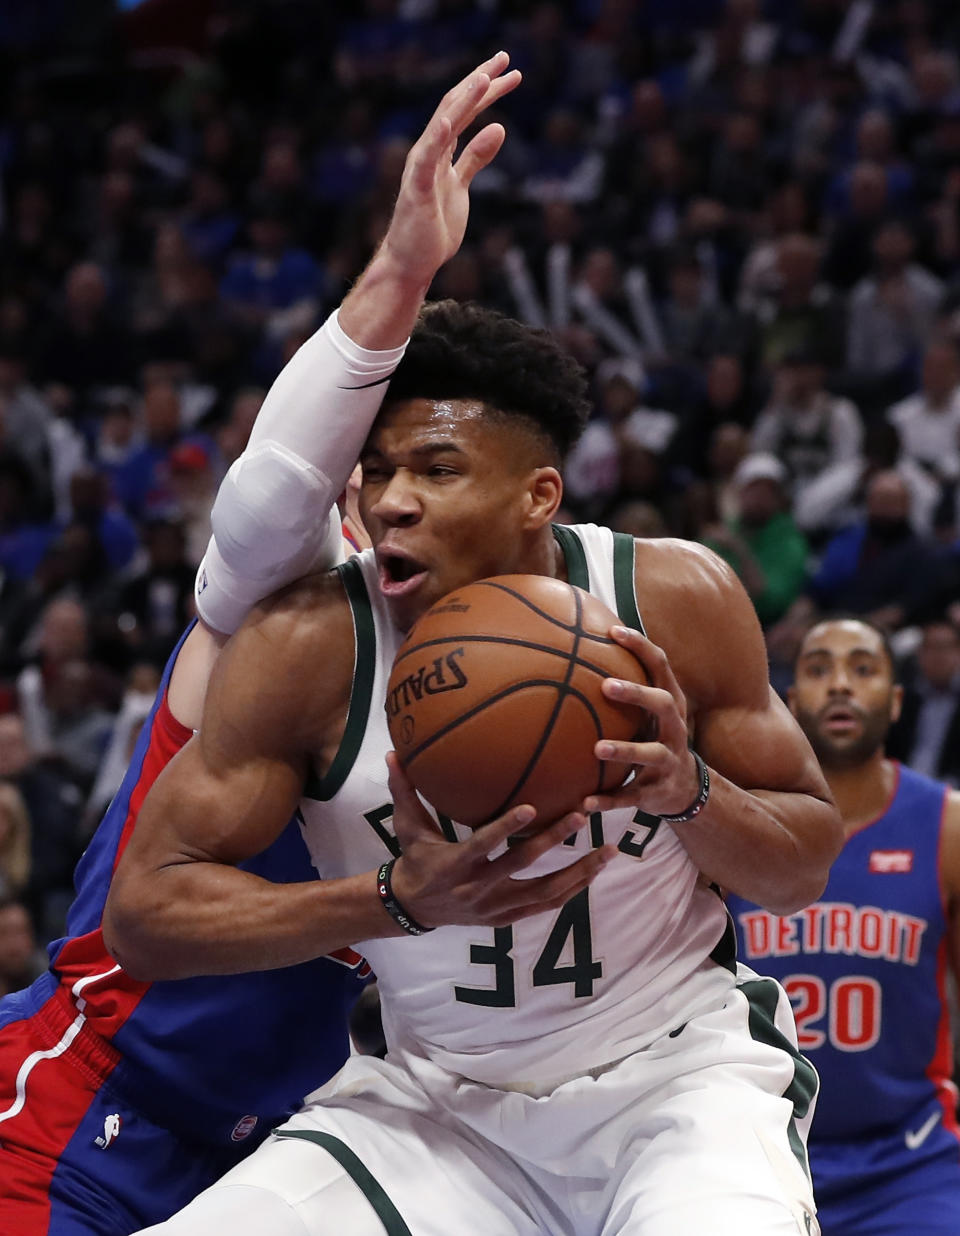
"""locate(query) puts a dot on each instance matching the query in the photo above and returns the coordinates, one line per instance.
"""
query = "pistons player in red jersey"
(866, 966)
(121, 1099)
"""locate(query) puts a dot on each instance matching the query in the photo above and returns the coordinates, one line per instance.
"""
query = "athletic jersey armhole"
(361, 692)
(173, 730)
(574, 555)
(624, 581)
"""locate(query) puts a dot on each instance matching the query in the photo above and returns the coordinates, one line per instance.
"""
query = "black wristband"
(699, 802)
(392, 906)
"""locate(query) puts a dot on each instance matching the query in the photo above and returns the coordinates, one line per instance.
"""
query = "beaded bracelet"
(699, 802)
(392, 906)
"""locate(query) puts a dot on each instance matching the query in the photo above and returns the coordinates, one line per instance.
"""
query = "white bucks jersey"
(623, 962)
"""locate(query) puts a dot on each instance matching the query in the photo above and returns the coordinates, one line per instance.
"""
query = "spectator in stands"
(725, 398)
(876, 143)
(879, 567)
(77, 725)
(21, 959)
(193, 482)
(927, 733)
(928, 422)
(849, 254)
(86, 345)
(25, 419)
(209, 224)
(233, 434)
(892, 312)
(156, 603)
(274, 285)
(14, 841)
(564, 165)
(138, 698)
(692, 322)
(601, 297)
(762, 543)
(53, 804)
(592, 472)
(800, 312)
(142, 482)
(817, 435)
(786, 213)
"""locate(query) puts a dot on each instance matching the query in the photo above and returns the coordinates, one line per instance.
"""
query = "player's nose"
(398, 501)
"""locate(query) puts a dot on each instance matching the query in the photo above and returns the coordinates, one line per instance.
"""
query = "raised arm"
(768, 830)
(275, 516)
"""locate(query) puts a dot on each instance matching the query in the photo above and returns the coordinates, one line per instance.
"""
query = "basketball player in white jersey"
(599, 1066)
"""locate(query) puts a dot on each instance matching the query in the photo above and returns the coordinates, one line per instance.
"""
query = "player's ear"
(544, 493)
(792, 700)
(896, 703)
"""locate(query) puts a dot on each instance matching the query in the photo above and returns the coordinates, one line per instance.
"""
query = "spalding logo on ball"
(494, 699)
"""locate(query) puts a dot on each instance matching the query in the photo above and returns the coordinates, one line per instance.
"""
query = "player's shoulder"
(299, 641)
(695, 608)
(674, 571)
(313, 608)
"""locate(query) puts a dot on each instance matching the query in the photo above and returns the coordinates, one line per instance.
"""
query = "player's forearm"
(381, 309)
(769, 847)
(269, 516)
(206, 918)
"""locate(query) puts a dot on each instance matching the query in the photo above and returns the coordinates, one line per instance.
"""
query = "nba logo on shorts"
(111, 1130)
(243, 1128)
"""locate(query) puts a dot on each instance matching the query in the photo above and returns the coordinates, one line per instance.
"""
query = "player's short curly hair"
(464, 351)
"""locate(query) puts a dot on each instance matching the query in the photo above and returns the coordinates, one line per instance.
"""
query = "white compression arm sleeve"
(275, 515)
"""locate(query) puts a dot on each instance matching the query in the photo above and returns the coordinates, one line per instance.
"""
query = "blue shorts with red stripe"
(77, 1155)
(875, 1188)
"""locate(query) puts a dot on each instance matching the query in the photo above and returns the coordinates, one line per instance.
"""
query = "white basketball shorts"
(701, 1132)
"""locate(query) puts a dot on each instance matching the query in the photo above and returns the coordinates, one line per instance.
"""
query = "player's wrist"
(392, 265)
(392, 904)
(700, 799)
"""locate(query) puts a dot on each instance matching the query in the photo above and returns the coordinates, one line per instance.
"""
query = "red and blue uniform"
(120, 1100)
(865, 968)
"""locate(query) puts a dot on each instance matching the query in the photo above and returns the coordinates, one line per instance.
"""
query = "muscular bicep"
(198, 812)
(231, 790)
(739, 724)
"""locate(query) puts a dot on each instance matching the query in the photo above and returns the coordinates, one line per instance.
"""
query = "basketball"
(494, 699)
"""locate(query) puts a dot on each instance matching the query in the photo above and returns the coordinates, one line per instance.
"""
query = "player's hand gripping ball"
(494, 699)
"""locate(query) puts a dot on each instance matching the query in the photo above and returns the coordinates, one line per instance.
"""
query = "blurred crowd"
(742, 216)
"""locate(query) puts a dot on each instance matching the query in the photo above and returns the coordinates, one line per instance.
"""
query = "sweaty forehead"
(466, 425)
(429, 416)
(842, 637)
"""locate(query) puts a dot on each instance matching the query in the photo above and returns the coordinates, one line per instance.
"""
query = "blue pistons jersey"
(865, 968)
(121, 1099)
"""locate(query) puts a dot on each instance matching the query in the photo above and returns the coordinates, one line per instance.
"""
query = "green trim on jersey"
(366, 1182)
(624, 581)
(725, 950)
(575, 556)
(324, 788)
(763, 996)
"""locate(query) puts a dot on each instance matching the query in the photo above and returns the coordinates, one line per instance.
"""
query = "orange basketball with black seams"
(494, 699)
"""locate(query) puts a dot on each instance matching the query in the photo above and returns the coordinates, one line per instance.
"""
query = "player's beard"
(842, 752)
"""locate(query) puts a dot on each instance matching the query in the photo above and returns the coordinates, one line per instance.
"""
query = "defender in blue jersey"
(121, 1099)
(866, 966)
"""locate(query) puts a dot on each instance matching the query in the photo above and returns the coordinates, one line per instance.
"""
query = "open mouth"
(840, 719)
(399, 574)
